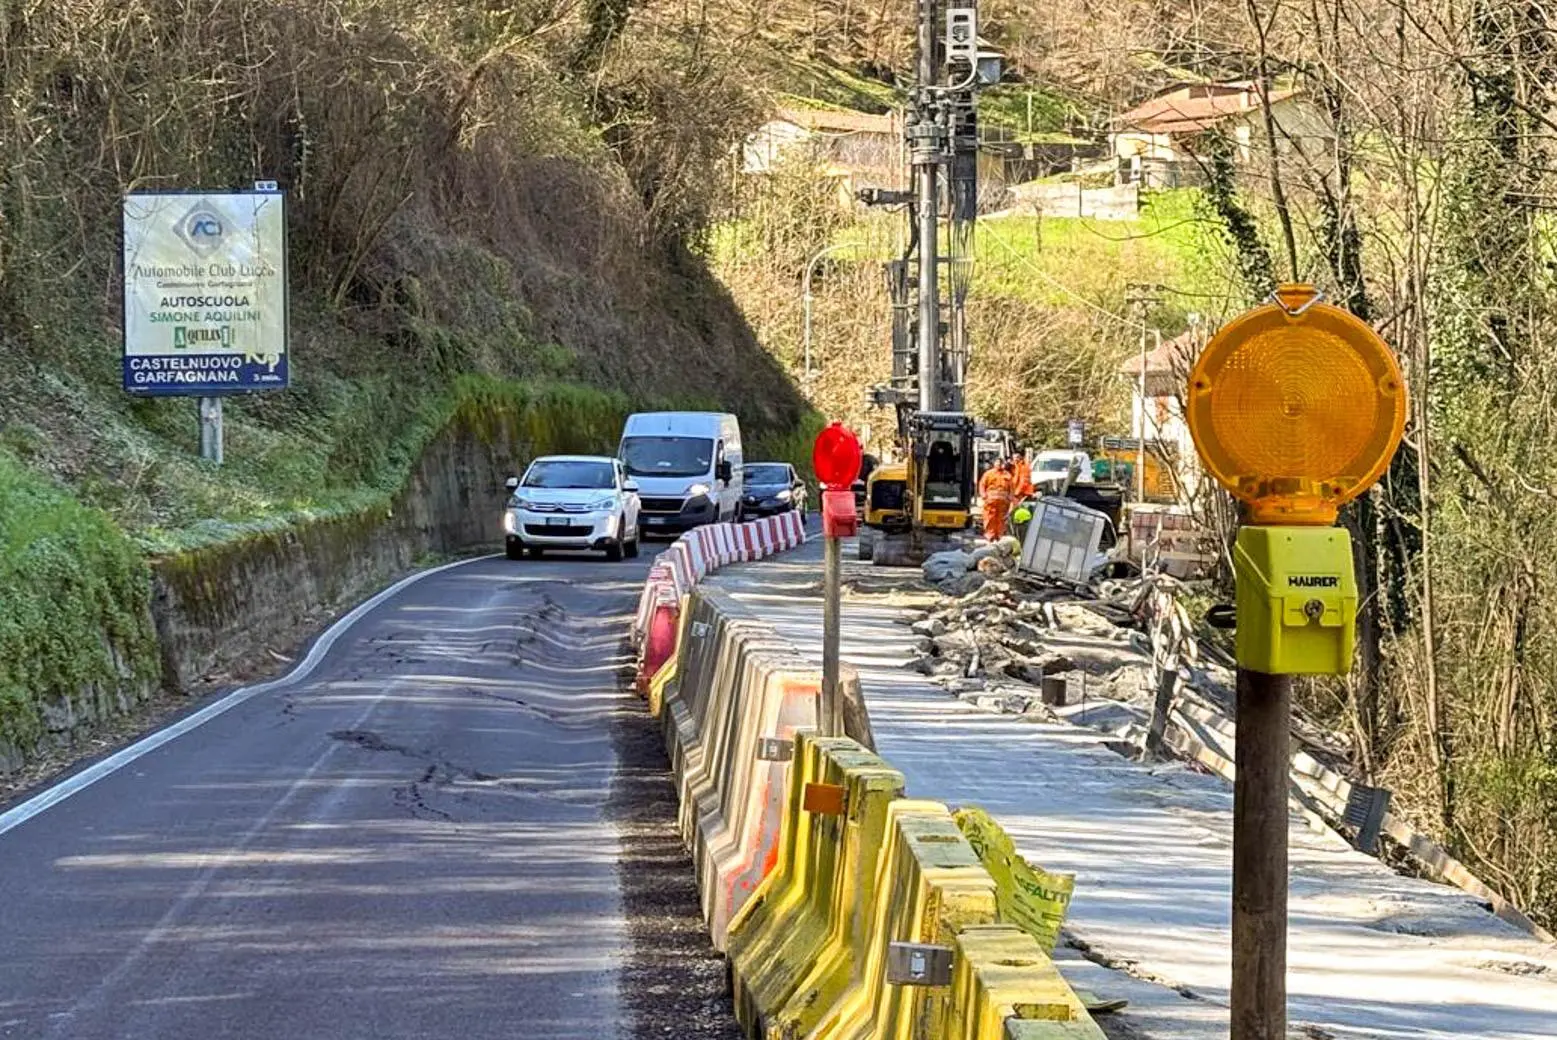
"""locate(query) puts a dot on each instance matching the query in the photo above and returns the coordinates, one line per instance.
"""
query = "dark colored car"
(773, 488)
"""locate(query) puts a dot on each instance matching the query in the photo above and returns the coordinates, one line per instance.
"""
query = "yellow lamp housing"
(1296, 407)
(1297, 600)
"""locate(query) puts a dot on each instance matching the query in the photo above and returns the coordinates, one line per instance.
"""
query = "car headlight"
(510, 523)
(519, 503)
(785, 495)
(697, 490)
(608, 502)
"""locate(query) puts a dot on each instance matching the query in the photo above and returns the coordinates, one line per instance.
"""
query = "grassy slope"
(1051, 317)
(1060, 261)
(73, 591)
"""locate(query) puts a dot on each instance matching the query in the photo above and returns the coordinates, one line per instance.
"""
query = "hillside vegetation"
(488, 207)
(437, 229)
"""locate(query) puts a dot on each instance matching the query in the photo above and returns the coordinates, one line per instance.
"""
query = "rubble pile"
(1004, 637)
(999, 632)
(958, 572)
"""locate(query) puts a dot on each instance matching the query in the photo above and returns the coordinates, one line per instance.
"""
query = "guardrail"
(1207, 736)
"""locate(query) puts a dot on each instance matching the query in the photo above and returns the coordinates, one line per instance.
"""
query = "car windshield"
(560, 473)
(767, 473)
(668, 456)
(1053, 465)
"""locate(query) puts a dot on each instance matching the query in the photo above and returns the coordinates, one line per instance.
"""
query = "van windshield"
(668, 456)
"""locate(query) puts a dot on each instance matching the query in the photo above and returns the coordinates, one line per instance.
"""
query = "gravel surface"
(674, 981)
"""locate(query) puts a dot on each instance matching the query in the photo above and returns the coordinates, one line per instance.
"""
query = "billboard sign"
(205, 293)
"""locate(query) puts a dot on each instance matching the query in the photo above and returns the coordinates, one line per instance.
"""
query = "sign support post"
(1296, 408)
(832, 632)
(211, 429)
(836, 461)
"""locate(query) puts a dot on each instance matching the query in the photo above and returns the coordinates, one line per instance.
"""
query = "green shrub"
(73, 604)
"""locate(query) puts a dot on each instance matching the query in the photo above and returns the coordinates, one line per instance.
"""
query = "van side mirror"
(726, 471)
(631, 487)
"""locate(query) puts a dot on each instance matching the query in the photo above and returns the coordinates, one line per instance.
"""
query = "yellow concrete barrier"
(1004, 987)
(737, 683)
(757, 929)
(932, 888)
(660, 682)
(658, 685)
(795, 947)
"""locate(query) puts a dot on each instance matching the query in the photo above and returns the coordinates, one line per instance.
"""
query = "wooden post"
(1162, 705)
(1259, 987)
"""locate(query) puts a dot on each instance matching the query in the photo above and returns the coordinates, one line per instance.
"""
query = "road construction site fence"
(846, 909)
(689, 558)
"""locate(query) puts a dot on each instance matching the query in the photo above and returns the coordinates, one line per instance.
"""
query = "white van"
(687, 466)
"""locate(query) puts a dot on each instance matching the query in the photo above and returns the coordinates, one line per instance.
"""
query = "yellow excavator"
(914, 506)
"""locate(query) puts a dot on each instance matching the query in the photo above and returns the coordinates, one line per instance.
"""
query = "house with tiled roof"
(1163, 142)
(855, 149)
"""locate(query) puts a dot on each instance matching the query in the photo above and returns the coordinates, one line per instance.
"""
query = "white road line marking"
(79, 782)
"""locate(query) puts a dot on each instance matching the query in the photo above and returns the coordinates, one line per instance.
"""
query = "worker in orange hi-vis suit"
(995, 491)
(1022, 477)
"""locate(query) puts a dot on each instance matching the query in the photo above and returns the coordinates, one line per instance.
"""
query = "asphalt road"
(458, 825)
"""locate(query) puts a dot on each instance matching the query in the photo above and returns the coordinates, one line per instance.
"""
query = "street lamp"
(810, 270)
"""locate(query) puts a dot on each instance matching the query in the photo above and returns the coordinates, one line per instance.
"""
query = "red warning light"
(836, 457)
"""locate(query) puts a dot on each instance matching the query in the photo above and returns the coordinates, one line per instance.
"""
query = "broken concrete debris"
(996, 637)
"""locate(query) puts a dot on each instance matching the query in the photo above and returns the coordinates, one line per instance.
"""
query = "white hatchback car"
(572, 502)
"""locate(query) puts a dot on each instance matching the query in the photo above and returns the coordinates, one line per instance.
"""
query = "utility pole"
(927, 147)
(1139, 297)
(940, 133)
(806, 298)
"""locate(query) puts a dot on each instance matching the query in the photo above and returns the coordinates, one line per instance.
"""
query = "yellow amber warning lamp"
(1296, 408)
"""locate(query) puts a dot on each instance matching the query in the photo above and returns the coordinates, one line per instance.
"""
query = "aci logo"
(202, 228)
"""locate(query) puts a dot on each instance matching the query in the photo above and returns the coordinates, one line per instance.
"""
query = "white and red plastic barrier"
(683, 565)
